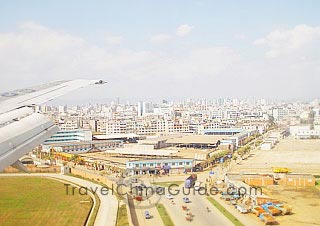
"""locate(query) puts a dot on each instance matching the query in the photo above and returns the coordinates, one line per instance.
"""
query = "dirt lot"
(305, 203)
(301, 156)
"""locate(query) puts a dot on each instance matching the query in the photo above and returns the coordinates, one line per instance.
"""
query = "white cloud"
(240, 36)
(184, 30)
(114, 40)
(161, 38)
(36, 54)
(301, 41)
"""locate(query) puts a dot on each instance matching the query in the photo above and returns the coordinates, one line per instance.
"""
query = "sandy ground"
(305, 203)
(301, 156)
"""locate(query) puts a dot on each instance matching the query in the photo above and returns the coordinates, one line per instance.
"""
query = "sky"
(164, 49)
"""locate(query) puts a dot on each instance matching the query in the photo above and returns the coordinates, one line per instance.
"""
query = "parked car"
(147, 214)
(242, 209)
(169, 196)
(186, 199)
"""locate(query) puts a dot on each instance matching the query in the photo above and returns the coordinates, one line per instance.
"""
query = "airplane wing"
(22, 129)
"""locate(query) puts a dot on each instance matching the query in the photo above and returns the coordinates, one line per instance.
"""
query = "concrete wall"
(298, 181)
(34, 169)
(258, 181)
(92, 176)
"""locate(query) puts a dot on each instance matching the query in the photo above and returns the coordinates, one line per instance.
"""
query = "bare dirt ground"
(301, 156)
(305, 203)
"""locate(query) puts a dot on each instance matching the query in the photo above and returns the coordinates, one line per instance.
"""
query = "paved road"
(107, 213)
(155, 217)
(198, 208)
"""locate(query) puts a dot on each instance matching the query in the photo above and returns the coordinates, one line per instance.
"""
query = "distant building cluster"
(146, 118)
(229, 121)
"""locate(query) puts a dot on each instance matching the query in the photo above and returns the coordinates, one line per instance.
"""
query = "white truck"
(197, 186)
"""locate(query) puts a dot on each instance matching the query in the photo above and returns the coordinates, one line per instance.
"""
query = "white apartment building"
(69, 124)
(282, 113)
(101, 126)
(119, 126)
(144, 108)
(62, 109)
(305, 131)
(70, 136)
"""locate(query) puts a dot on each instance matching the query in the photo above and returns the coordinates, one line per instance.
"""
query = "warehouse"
(196, 141)
(156, 166)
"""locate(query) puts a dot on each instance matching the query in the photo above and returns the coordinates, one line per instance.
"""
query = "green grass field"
(164, 215)
(40, 201)
(225, 212)
(122, 217)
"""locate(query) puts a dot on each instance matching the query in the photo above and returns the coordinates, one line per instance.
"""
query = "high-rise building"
(144, 107)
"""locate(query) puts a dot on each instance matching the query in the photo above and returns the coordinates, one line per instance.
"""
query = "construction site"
(285, 180)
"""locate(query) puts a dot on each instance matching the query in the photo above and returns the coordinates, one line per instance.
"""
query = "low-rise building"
(83, 146)
(70, 136)
(298, 180)
(305, 131)
(266, 145)
(156, 166)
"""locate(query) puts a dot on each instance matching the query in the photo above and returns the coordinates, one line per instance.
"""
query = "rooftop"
(196, 139)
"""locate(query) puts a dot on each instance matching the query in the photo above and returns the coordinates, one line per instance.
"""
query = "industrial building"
(70, 136)
(83, 146)
(155, 166)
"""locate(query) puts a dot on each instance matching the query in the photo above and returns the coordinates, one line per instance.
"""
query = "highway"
(198, 208)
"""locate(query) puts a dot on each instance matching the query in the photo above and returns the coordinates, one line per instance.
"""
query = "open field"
(225, 212)
(301, 156)
(122, 217)
(305, 203)
(40, 201)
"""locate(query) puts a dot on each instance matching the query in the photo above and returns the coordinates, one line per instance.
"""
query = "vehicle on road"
(147, 214)
(190, 181)
(242, 208)
(197, 186)
(169, 196)
(186, 200)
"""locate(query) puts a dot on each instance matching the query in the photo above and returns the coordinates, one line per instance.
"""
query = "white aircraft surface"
(21, 128)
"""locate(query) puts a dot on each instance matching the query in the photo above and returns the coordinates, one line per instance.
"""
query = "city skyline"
(162, 113)
(194, 49)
